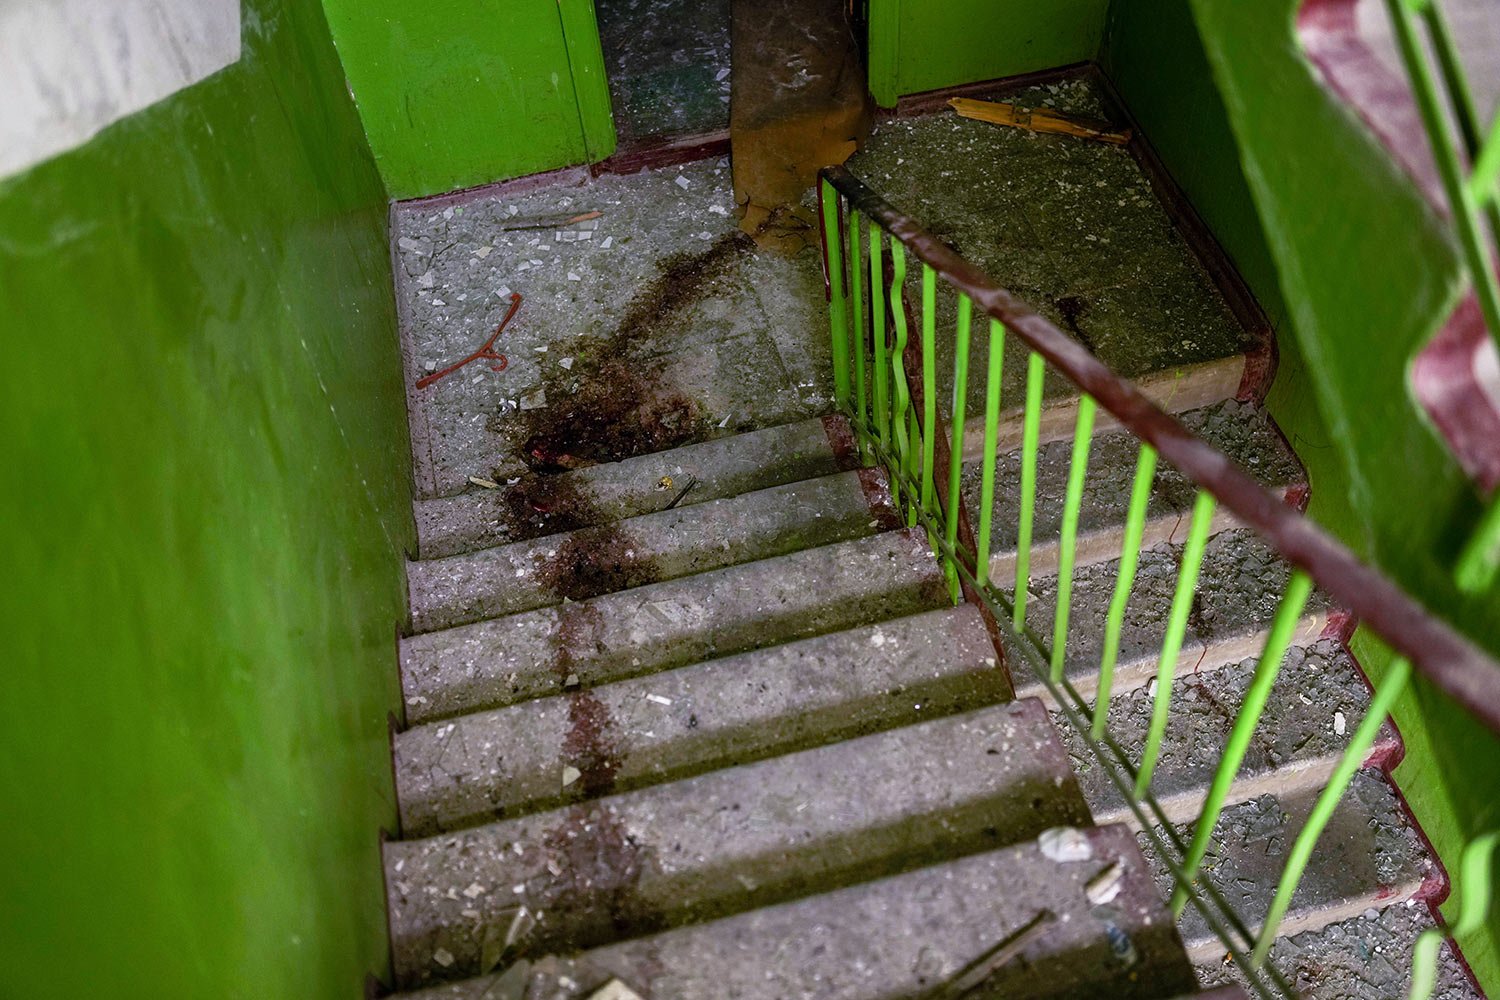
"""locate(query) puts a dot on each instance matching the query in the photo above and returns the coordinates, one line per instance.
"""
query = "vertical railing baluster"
(1283, 628)
(1171, 645)
(900, 393)
(1130, 554)
(956, 447)
(1036, 369)
(929, 390)
(1067, 543)
(857, 322)
(996, 363)
(880, 368)
(838, 319)
(1386, 693)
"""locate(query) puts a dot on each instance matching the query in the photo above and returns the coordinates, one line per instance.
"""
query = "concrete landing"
(731, 840)
(912, 935)
(664, 327)
(1070, 225)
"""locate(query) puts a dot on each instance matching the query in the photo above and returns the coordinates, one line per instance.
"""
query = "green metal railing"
(1474, 198)
(887, 386)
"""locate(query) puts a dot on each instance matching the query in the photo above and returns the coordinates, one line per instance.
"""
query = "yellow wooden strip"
(1037, 120)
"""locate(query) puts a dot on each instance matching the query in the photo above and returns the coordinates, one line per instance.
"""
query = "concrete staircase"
(736, 741)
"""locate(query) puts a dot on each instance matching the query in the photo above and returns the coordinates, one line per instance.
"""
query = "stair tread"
(902, 936)
(734, 839)
(1239, 588)
(539, 505)
(504, 660)
(649, 548)
(1296, 746)
(1369, 856)
(1241, 430)
(676, 723)
(1367, 957)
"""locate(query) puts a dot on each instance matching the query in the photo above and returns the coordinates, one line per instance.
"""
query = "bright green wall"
(1363, 275)
(206, 499)
(455, 93)
(917, 45)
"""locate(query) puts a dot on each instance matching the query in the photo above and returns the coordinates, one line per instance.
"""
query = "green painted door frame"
(458, 93)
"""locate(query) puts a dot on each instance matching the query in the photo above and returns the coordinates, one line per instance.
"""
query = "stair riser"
(578, 565)
(686, 722)
(734, 840)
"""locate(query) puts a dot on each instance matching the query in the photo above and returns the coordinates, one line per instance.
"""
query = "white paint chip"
(570, 774)
(1065, 843)
(1339, 724)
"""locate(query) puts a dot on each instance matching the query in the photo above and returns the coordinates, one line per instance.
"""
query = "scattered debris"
(683, 182)
(486, 350)
(570, 774)
(1339, 724)
(534, 400)
(443, 957)
(615, 990)
(1065, 843)
(999, 113)
(606, 243)
(548, 221)
(475, 890)
(566, 362)
(483, 252)
(973, 976)
(664, 483)
(488, 484)
(1105, 886)
(659, 699)
(500, 936)
(571, 681)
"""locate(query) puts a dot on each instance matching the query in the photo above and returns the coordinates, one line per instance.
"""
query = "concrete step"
(1369, 856)
(603, 558)
(1367, 957)
(729, 841)
(539, 505)
(678, 723)
(502, 661)
(910, 935)
(1242, 431)
(1239, 587)
(1319, 698)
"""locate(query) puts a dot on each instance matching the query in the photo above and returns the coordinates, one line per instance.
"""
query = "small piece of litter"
(488, 484)
(664, 483)
(1121, 945)
(573, 277)
(566, 362)
(443, 957)
(571, 681)
(430, 366)
(606, 243)
(1339, 725)
(540, 350)
(475, 890)
(725, 422)
(1104, 887)
(476, 380)
(615, 990)
(570, 774)
(660, 700)
(1065, 843)
(534, 400)
(683, 182)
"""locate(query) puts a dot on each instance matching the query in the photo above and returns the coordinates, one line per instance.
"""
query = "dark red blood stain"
(592, 744)
(872, 482)
(599, 866)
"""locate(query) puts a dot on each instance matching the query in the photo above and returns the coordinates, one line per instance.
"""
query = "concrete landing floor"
(658, 323)
(1070, 225)
(668, 66)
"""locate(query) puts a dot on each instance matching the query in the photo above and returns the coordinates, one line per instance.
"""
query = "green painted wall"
(916, 45)
(455, 93)
(1359, 274)
(206, 495)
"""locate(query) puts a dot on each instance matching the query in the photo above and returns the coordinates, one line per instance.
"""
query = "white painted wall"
(68, 68)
